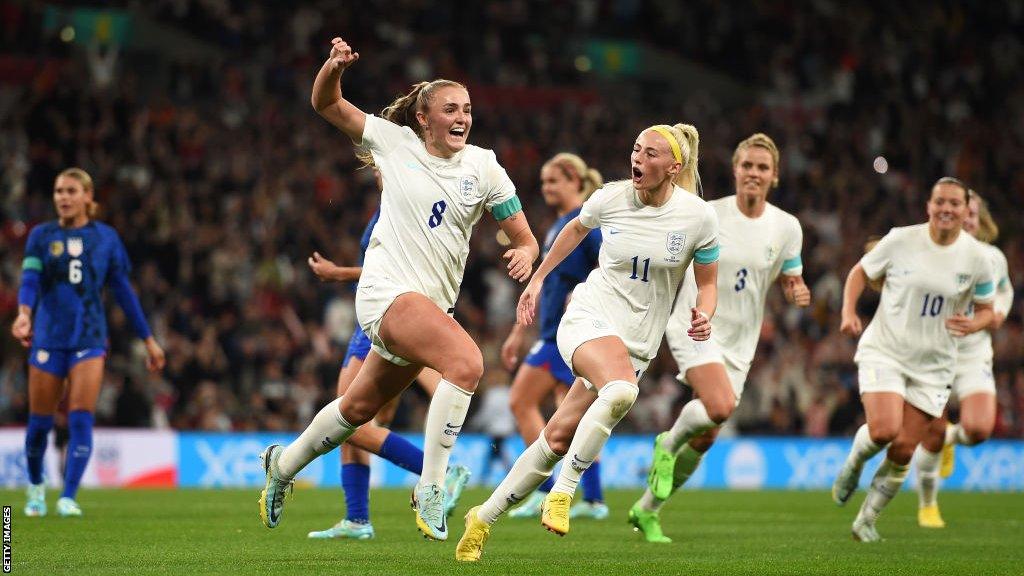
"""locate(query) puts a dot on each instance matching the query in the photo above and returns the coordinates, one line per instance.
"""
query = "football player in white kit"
(436, 188)
(974, 386)
(906, 358)
(758, 242)
(653, 227)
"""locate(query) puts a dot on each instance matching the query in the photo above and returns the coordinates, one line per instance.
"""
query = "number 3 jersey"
(754, 251)
(644, 254)
(925, 284)
(429, 207)
(74, 264)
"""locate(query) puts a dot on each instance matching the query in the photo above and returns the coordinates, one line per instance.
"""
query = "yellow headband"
(664, 131)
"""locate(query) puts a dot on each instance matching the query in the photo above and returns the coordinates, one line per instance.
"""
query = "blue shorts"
(544, 354)
(358, 346)
(60, 362)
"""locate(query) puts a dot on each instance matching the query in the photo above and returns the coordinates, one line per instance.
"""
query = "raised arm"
(568, 239)
(327, 99)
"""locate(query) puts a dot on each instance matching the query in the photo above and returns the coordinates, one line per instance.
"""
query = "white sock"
(884, 486)
(613, 401)
(863, 447)
(327, 431)
(955, 434)
(445, 417)
(687, 461)
(531, 469)
(693, 420)
(927, 475)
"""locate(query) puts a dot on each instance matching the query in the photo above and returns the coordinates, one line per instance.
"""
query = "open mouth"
(637, 174)
(458, 132)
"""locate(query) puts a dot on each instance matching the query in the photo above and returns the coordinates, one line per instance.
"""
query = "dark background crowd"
(193, 118)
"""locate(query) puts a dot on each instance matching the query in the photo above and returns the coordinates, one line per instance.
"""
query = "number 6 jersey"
(925, 284)
(73, 265)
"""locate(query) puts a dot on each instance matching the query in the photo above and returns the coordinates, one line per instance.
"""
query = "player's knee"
(465, 370)
(357, 411)
(882, 434)
(719, 410)
(976, 432)
(620, 396)
(558, 439)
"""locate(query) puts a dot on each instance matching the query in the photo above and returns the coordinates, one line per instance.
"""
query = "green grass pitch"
(184, 532)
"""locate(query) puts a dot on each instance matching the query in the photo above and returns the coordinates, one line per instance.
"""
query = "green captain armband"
(706, 255)
(32, 263)
(984, 289)
(507, 208)
(791, 263)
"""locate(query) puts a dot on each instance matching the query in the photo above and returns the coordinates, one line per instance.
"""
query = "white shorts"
(974, 378)
(578, 327)
(689, 354)
(372, 301)
(927, 397)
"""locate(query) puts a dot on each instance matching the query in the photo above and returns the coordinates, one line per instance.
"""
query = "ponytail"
(404, 108)
(688, 177)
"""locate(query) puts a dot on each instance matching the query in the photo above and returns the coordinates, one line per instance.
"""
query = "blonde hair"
(877, 283)
(988, 230)
(688, 139)
(574, 167)
(85, 180)
(764, 141)
(404, 108)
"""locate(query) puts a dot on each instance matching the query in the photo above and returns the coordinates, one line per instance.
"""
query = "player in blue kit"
(67, 263)
(375, 439)
(566, 181)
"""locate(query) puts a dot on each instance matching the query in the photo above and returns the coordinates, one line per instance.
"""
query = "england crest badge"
(675, 243)
(469, 187)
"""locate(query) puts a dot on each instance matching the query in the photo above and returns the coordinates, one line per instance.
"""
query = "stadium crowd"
(222, 181)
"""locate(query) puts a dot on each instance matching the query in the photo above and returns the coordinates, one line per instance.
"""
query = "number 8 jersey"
(429, 207)
(925, 284)
(74, 264)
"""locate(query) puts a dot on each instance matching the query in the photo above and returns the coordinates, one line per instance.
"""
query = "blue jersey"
(71, 266)
(364, 242)
(570, 272)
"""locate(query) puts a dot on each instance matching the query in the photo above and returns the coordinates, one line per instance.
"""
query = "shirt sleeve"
(984, 282)
(32, 269)
(381, 136)
(792, 264)
(592, 247)
(590, 213)
(120, 285)
(876, 262)
(1004, 288)
(706, 246)
(499, 191)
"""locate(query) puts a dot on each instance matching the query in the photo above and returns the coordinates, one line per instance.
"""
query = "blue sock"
(402, 453)
(355, 479)
(79, 450)
(547, 485)
(36, 434)
(592, 483)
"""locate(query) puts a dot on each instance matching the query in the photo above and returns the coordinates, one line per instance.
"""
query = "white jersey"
(754, 251)
(925, 284)
(644, 253)
(977, 347)
(428, 209)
